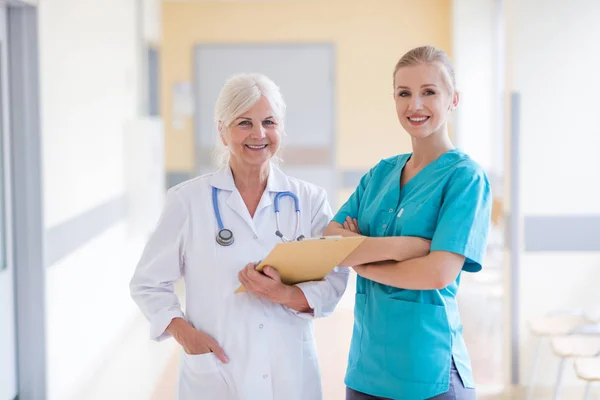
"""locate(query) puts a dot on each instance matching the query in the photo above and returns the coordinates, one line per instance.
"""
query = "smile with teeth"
(418, 119)
(256, 147)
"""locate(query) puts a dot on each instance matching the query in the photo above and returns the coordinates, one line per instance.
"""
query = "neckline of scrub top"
(437, 162)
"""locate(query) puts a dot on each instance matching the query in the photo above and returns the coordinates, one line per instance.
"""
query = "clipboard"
(308, 259)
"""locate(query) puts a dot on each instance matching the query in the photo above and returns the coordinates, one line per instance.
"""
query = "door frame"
(26, 182)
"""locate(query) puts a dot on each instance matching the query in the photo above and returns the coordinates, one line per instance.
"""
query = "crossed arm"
(400, 261)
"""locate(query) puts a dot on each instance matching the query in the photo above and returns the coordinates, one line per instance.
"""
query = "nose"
(416, 103)
(259, 132)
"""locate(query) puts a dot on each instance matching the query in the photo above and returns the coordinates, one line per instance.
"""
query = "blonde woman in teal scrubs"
(407, 341)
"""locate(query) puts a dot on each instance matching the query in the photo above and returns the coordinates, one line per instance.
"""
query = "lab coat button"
(260, 326)
(255, 237)
(265, 376)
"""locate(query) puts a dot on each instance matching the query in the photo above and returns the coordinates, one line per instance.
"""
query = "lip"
(421, 119)
(256, 147)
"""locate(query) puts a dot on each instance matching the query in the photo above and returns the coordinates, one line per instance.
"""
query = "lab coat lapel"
(223, 180)
(277, 182)
(236, 203)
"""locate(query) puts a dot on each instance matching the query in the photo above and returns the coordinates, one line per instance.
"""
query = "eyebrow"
(250, 119)
(422, 86)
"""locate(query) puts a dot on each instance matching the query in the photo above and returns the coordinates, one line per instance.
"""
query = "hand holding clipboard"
(309, 259)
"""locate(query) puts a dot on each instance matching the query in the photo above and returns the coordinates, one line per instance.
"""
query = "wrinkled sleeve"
(323, 296)
(160, 267)
(464, 218)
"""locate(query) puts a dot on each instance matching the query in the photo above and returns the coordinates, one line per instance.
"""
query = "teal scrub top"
(404, 340)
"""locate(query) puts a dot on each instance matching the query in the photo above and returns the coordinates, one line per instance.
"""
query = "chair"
(557, 323)
(588, 369)
(583, 341)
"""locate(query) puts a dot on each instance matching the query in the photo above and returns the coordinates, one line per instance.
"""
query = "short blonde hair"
(429, 55)
(239, 94)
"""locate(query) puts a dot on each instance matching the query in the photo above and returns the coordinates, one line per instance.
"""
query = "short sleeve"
(464, 219)
(352, 205)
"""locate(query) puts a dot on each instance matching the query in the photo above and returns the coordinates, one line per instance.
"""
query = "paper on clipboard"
(308, 259)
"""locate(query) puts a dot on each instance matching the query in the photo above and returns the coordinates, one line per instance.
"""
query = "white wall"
(553, 67)
(89, 76)
(152, 20)
(475, 55)
(88, 90)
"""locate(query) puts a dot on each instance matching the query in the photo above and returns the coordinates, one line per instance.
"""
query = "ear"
(455, 100)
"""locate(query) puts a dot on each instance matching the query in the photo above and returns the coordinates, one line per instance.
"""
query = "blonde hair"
(429, 55)
(239, 94)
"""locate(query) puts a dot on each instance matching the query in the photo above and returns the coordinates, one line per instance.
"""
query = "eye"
(404, 93)
(428, 92)
(245, 123)
(269, 122)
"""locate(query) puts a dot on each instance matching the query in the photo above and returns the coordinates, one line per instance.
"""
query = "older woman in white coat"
(257, 345)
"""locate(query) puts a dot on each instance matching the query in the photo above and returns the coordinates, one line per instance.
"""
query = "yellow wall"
(369, 37)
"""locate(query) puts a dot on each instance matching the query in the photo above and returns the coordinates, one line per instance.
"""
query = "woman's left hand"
(351, 224)
(266, 284)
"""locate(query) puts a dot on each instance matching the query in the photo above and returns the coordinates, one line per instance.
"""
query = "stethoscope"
(225, 236)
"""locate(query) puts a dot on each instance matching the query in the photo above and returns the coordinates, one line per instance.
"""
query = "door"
(8, 365)
(304, 73)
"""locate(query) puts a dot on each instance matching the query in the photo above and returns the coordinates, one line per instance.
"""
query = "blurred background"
(107, 103)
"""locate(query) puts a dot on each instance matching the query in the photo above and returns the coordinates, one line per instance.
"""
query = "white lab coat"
(271, 348)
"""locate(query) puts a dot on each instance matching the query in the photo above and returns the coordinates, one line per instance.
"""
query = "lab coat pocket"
(201, 377)
(418, 341)
(360, 302)
(201, 363)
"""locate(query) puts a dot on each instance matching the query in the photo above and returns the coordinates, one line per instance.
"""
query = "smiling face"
(424, 99)
(254, 137)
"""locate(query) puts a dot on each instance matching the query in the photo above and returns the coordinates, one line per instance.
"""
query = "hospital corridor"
(153, 153)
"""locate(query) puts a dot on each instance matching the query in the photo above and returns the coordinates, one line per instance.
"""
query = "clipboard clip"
(324, 238)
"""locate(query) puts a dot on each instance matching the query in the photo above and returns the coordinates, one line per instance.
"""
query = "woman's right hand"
(194, 341)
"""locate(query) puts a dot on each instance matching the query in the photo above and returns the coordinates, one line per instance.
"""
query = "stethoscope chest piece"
(225, 237)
